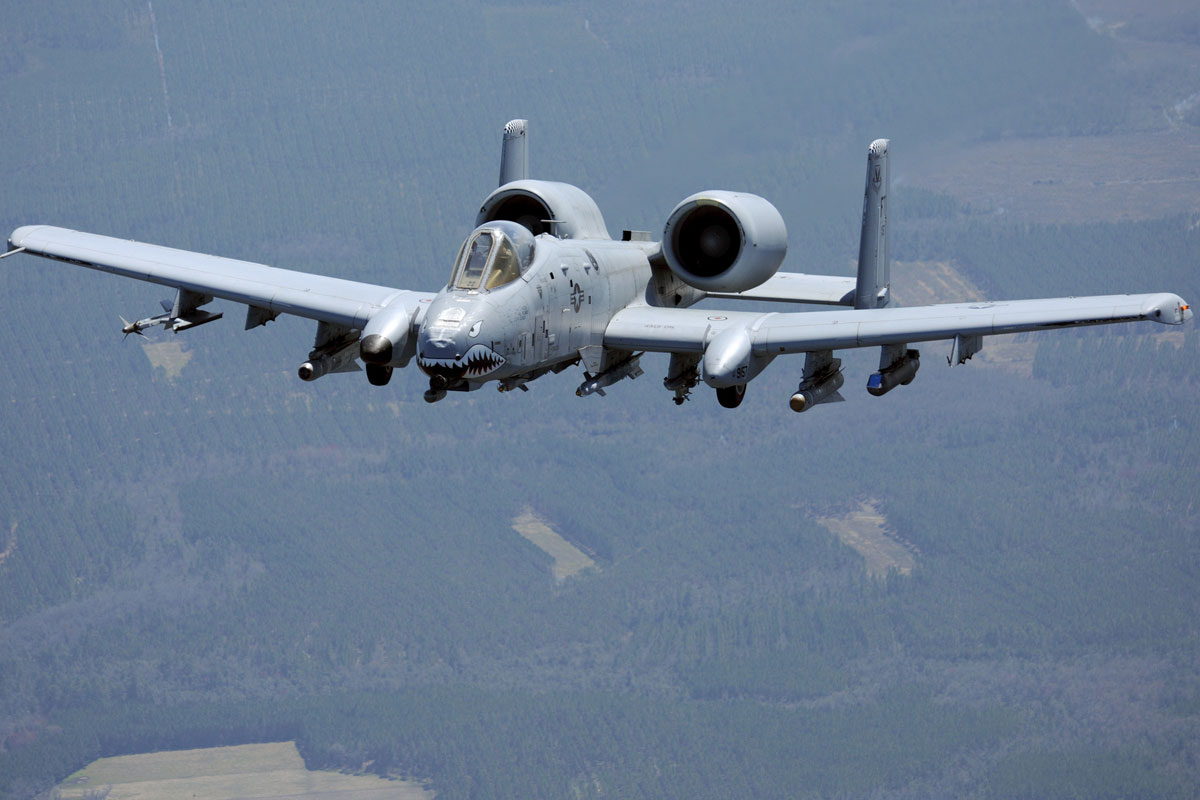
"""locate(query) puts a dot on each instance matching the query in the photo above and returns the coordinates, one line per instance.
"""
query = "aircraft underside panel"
(691, 330)
(270, 289)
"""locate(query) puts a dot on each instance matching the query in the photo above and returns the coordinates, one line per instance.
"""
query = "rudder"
(514, 153)
(873, 289)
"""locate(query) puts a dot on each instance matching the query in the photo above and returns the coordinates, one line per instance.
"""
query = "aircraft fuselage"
(560, 305)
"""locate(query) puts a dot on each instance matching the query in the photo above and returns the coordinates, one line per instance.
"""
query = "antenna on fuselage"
(514, 154)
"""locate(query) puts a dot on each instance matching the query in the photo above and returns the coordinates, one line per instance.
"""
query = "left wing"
(268, 290)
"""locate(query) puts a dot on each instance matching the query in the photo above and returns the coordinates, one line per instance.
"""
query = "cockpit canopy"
(494, 255)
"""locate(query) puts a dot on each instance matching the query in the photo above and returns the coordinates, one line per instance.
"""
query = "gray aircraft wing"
(268, 291)
(691, 330)
(797, 287)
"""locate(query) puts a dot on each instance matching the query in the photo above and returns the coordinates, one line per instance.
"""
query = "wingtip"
(1182, 311)
(1169, 309)
(17, 238)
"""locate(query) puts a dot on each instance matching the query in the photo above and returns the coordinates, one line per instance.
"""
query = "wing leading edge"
(272, 290)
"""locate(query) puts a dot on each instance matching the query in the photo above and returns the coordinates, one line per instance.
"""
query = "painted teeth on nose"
(478, 361)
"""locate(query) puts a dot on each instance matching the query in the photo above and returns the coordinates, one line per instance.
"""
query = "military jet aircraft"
(540, 286)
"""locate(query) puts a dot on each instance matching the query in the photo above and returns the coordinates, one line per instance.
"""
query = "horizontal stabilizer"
(796, 287)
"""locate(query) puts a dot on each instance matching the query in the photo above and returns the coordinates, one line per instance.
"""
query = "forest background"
(196, 548)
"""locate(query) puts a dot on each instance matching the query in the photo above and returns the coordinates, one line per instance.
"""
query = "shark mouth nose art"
(479, 361)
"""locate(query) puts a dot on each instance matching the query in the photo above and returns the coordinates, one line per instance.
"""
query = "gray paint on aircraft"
(556, 289)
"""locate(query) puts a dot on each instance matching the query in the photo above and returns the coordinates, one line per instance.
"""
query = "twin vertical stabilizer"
(898, 364)
(514, 154)
(874, 278)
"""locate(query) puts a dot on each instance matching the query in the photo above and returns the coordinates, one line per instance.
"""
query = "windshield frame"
(504, 262)
(473, 262)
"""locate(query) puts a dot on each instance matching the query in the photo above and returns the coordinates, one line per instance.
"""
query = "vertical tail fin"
(874, 270)
(898, 364)
(514, 154)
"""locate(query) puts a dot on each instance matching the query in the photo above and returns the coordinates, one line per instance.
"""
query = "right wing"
(736, 345)
(690, 330)
(268, 291)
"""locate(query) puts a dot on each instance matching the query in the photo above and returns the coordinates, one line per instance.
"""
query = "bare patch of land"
(923, 283)
(568, 559)
(919, 283)
(169, 355)
(269, 771)
(865, 530)
(1013, 353)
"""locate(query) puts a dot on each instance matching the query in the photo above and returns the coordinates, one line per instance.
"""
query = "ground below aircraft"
(540, 286)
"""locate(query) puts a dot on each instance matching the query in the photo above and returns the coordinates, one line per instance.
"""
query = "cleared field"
(917, 283)
(568, 559)
(169, 355)
(864, 530)
(272, 770)
(920, 283)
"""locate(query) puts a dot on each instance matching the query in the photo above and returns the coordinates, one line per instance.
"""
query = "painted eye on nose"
(475, 329)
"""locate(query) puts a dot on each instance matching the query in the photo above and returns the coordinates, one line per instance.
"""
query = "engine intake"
(721, 241)
(558, 209)
(386, 339)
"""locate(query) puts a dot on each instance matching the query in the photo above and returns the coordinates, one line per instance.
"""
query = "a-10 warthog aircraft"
(540, 285)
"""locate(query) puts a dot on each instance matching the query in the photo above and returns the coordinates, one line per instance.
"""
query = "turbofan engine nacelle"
(558, 209)
(386, 339)
(721, 241)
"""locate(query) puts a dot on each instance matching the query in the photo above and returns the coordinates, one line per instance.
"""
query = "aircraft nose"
(439, 352)
(456, 354)
(435, 353)
(441, 342)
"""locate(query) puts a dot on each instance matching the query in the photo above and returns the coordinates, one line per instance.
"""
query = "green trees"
(232, 556)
